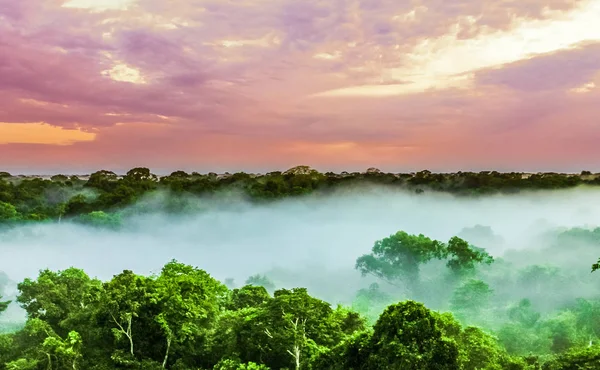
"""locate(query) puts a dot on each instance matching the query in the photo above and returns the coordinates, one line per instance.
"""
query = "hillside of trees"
(182, 318)
(91, 198)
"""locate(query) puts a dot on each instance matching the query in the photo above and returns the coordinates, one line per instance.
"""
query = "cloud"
(276, 81)
(561, 70)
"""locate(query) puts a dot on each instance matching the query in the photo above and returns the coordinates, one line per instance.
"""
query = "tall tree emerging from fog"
(397, 258)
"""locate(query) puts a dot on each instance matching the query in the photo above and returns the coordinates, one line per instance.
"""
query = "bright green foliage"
(407, 336)
(576, 359)
(101, 219)
(236, 365)
(22, 364)
(67, 352)
(247, 297)
(183, 319)
(123, 299)
(8, 212)
(58, 298)
(187, 301)
(285, 331)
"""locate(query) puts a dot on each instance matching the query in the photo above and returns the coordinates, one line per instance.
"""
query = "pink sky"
(335, 84)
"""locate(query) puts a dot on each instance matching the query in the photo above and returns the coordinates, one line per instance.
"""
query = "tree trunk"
(297, 356)
(167, 352)
(49, 361)
(129, 336)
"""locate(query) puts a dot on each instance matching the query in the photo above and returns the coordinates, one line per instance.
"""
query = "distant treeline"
(37, 199)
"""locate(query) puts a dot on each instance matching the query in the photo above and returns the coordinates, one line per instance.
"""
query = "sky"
(257, 85)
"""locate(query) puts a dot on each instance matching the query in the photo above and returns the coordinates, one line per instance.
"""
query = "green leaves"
(8, 212)
(464, 256)
(58, 297)
(188, 301)
(398, 257)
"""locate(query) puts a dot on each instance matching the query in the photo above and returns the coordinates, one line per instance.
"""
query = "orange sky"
(343, 85)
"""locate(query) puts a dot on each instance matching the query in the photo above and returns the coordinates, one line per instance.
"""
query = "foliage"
(33, 199)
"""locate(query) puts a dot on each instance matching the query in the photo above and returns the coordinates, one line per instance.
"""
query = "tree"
(398, 257)
(247, 297)
(59, 297)
(465, 257)
(229, 364)
(66, 351)
(104, 180)
(122, 299)
(101, 219)
(8, 212)
(285, 331)
(576, 359)
(45, 346)
(407, 336)
(188, 302)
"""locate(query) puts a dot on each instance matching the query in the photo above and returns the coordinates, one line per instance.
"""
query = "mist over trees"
(95, 198)
(435, 297)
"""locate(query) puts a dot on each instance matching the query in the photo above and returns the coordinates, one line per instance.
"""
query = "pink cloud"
(229, 84)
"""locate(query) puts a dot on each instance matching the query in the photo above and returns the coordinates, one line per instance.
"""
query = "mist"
(314, 241)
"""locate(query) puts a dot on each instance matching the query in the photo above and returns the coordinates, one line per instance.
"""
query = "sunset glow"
(272, 84)
(39, 133)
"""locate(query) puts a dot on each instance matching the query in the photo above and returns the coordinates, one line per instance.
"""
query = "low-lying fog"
(311, 242)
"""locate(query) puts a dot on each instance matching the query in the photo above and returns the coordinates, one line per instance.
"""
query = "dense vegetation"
(182, 318)
(436, 304)
(90, 198)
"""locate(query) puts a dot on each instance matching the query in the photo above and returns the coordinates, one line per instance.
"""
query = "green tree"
(576, 359)
(101, 219)
(8, 212)
(398, 257)
(465, 257)
(122, 299)
(247, 297)
(407, 336)
(188, 301)
(58, 298)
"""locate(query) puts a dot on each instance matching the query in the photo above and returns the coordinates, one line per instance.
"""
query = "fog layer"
(311, 242)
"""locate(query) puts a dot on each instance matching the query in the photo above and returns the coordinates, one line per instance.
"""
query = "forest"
(90, 198)
(372, 271)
